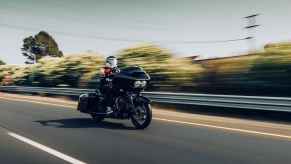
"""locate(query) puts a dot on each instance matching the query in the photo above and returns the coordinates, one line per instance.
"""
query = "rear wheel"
(97, 118)
(142, 116)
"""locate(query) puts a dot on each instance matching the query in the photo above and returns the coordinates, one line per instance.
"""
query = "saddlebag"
(88, 103)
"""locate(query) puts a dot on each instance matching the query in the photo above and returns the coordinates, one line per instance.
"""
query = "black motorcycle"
(127, 101)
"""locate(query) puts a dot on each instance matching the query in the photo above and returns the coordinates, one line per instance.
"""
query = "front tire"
(97, 118)
(142, 116)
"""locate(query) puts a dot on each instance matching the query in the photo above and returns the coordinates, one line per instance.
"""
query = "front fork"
(130, 105)
(138, 98)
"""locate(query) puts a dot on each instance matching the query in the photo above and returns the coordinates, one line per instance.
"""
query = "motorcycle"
(128, 102)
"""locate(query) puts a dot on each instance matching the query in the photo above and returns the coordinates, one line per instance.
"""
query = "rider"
(111, 67)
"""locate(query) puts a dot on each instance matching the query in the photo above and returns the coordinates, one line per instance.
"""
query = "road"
(44, 130)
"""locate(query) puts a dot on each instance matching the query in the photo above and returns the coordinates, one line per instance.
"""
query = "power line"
(115, 39)
(206, 42)
(251, 27)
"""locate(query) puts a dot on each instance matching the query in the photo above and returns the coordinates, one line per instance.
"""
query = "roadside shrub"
(165, 70)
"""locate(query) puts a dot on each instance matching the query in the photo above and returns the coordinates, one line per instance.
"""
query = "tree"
(39, 46)
(2, 62)
(165, 69)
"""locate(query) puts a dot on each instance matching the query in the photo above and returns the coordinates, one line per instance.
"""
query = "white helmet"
(111, 62)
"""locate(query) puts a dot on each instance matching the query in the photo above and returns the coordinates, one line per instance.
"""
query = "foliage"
(36, 47)
(2, 62)
(76, 70)
(164, 68)
(265, 73)
(278, 47)
(71, 70)
(5, 72)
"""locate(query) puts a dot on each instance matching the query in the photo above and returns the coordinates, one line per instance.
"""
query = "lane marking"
(224, 128)
(175, 121)
(46, 149)
(65, 101)
(37, 102)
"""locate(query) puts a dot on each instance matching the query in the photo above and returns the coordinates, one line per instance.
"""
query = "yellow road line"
(172, 121)
(224, 128)
(37, 102)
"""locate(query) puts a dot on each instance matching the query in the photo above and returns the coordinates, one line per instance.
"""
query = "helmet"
(111, 62)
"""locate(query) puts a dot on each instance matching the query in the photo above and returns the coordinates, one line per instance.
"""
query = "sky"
(76, 25)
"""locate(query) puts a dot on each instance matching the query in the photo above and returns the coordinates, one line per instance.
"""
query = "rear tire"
(97, 118)
(147, 112)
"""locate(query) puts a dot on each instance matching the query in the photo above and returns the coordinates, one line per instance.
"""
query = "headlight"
(143, 83)
(136, 84)
(139, 84)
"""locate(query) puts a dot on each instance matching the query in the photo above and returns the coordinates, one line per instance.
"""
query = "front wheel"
(142, 116)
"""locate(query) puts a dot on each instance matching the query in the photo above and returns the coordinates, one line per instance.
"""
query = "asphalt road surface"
(40, 130)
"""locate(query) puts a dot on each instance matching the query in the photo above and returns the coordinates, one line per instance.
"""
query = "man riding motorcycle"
(119, 95)
(111, 67)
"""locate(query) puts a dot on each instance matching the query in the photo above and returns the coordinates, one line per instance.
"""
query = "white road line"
(224, 128)
(176, 121)
(46, 149)
(37, 102)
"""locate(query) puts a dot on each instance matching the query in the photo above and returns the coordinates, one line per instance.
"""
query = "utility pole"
(251, 27)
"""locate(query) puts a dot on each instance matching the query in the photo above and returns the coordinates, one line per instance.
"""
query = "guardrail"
(229, 101)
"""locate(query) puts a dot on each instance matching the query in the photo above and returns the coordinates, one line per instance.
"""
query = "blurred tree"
(165, 69)
(2, 62)
(76, 70)
(272, 73)
(283, 47)
(39, 46)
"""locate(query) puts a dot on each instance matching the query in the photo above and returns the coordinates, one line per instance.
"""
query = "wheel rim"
(140, 115)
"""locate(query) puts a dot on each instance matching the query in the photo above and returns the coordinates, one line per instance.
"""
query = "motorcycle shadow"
(83, 123)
